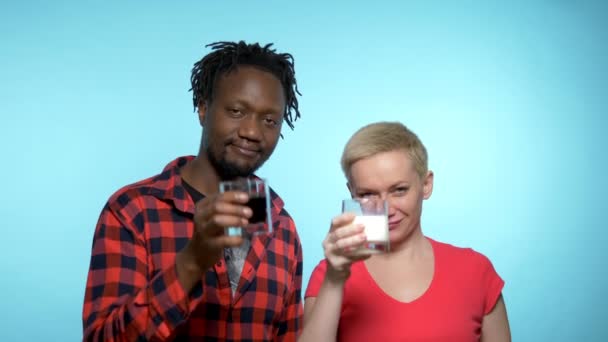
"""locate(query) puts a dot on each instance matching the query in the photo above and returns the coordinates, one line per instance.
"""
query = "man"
(161, 267)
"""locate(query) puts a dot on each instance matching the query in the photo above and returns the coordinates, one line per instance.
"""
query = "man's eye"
(270, 122)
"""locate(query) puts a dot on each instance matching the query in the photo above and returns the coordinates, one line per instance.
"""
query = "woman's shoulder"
(459, 255)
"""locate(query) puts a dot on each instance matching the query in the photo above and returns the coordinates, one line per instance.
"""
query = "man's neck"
(201, 175)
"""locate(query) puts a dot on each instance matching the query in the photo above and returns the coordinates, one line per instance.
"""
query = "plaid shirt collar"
(168, 186)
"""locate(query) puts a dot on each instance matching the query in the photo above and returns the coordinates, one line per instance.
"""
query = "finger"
(226, 208)
(346, 231)
(221, 214)
(360, 255)
(224, 241)
(330, 248)
(351, 242)
(343, 247)
(214, 225)
(234, 197)
(219, 222)
(237, 197)
(342, 220)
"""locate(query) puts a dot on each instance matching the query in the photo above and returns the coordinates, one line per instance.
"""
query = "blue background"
(509, 97)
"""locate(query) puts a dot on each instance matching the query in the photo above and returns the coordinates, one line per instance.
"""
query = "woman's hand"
(342, 247)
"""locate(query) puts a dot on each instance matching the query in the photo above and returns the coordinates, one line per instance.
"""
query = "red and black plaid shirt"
(133, 293)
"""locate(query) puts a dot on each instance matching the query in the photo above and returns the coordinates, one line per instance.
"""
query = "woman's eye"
(401, 190)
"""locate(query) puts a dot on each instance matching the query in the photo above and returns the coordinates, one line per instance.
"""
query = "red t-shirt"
(465, 288)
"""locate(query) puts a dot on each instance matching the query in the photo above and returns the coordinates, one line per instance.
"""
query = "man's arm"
(121, 302)
(291, 324)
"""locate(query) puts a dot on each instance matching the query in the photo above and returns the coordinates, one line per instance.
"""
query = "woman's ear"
(427, 184)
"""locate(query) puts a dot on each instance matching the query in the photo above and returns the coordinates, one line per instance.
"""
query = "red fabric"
(465, 287)
(133, 293)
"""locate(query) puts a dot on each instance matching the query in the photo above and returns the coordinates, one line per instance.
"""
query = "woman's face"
(391, 176)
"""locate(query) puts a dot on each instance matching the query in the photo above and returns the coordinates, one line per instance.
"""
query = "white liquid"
(376, 227)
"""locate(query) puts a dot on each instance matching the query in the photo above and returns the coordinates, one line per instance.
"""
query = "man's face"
(242, 122)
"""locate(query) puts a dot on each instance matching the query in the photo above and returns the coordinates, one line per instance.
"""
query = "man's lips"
(246, 151)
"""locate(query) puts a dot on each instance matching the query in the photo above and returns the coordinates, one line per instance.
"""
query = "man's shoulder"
(159, 185)
(137, 189)
(276, 200)
(284, 222)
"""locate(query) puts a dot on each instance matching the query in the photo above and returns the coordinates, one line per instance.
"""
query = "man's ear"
(202, 111)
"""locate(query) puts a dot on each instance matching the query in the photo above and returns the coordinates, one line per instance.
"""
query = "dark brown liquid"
(258, 206)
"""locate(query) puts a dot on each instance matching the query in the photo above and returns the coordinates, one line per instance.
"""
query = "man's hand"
(212, 215)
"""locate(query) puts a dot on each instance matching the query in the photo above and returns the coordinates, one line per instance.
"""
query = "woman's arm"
(495, 325)
(322, 313)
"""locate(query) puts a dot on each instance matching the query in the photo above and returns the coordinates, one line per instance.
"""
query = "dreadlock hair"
(226, 56)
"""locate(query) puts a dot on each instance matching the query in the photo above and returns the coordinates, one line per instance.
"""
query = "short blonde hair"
(382, 137)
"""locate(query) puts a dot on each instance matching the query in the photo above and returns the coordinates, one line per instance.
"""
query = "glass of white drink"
(373, 215)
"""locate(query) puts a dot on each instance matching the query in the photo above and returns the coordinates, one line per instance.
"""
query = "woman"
(422, 290)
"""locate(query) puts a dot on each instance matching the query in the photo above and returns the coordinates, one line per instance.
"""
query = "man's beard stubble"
(227, 170)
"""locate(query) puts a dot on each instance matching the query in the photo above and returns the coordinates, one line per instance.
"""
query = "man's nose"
(250, 128)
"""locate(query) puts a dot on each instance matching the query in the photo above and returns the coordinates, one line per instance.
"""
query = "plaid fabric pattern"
(133, 293)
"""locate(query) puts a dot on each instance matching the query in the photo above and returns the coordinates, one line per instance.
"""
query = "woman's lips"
(393, 224)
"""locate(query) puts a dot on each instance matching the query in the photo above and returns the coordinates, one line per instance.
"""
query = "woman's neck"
(414, 246)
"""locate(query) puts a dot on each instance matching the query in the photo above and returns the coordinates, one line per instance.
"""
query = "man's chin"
(231, 168)
(229, 172)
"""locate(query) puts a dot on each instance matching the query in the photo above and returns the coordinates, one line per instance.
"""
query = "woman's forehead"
(383, 169)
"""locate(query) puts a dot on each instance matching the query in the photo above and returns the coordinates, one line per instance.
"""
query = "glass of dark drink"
(259, 202)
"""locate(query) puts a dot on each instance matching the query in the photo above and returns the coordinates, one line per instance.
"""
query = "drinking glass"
(373, 214)
(259, 202)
